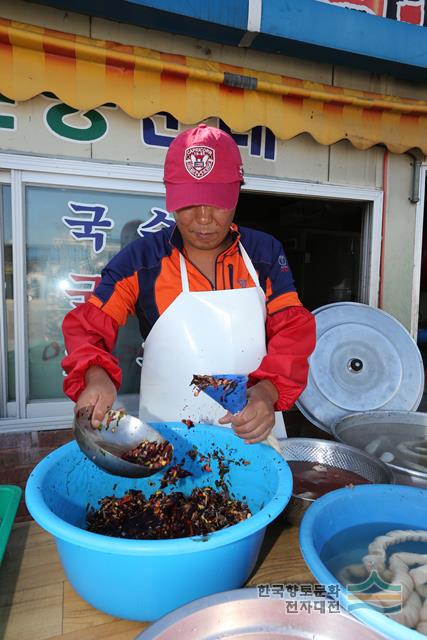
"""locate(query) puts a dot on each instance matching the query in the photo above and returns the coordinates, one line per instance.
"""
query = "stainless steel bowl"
(397, 437)
(334, 454)
(243, 614)
(117, 434)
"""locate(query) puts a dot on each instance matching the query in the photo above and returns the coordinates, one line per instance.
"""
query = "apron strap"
(184, 274)
(249, 266)
(252, 271)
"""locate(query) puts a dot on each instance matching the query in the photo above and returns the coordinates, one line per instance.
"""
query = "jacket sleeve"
(90, 336)
(90, 330)
(291, 338)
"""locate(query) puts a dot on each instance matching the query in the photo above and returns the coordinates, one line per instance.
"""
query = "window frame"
(21, 171)
(5, 179)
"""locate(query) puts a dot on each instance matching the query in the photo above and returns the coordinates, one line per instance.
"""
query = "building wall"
(399, 239)
(301, 158)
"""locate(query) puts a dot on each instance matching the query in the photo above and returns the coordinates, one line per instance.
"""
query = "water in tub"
(397, 555)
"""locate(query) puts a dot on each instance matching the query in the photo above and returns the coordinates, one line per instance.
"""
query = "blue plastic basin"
(363, 506)
(145, 579)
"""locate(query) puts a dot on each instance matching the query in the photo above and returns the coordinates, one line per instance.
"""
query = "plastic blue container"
(366, 506)
(145, 579)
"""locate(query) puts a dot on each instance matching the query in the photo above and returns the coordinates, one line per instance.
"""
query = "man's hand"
(255, 422)
(99, 392)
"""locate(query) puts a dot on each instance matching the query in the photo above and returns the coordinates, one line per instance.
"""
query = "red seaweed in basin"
(144, 579)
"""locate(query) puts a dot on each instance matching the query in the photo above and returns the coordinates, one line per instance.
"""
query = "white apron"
(205, 333)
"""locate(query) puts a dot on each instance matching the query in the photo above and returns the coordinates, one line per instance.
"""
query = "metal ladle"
(105, 445)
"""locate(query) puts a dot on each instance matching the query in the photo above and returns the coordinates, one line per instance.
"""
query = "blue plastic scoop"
(230, 391)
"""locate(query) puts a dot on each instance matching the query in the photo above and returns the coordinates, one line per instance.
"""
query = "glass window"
(6, 209)
(71, 234)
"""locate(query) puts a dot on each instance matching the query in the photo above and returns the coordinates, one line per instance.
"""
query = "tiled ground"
(20, 452)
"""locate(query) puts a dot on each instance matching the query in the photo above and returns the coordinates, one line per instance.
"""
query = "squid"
(405, 569)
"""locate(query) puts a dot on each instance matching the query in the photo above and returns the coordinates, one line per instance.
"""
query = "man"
(208, 295)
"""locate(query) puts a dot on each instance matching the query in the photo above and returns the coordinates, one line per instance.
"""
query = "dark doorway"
(322, 241)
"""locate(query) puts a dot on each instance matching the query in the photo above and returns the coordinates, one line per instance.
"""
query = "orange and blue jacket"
(144, 278)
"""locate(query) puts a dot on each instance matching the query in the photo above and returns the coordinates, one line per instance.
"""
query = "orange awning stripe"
(85, 73)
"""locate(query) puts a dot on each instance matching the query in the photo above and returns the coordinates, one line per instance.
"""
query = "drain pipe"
(383, 228)
(418, 157)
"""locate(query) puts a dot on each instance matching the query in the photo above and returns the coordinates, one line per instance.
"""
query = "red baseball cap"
(203, 166)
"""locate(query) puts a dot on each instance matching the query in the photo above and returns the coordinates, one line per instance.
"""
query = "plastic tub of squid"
(145, 579)
(354, 537)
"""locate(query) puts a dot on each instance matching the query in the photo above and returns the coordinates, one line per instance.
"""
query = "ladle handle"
(274, 443)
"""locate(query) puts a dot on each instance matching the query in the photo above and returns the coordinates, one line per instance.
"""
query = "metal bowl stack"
(399, 438)
(334, 454)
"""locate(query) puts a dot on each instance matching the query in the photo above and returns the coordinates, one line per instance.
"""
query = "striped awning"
(85, 73)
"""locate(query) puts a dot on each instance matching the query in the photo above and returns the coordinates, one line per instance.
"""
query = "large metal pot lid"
(364, 360)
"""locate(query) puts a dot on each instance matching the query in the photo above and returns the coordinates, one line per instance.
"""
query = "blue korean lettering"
(269, 145)
(253, 141)
(256, 147)
(239, 138)
(256, 139)
(159, 219)
(260, 141)
(150, 136)
(89, 228)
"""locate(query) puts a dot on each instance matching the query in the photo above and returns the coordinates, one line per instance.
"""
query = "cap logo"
(199, 161)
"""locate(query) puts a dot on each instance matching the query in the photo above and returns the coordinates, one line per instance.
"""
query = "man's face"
(203, 226)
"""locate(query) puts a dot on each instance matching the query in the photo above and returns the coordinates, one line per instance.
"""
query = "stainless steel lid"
(364, 360)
